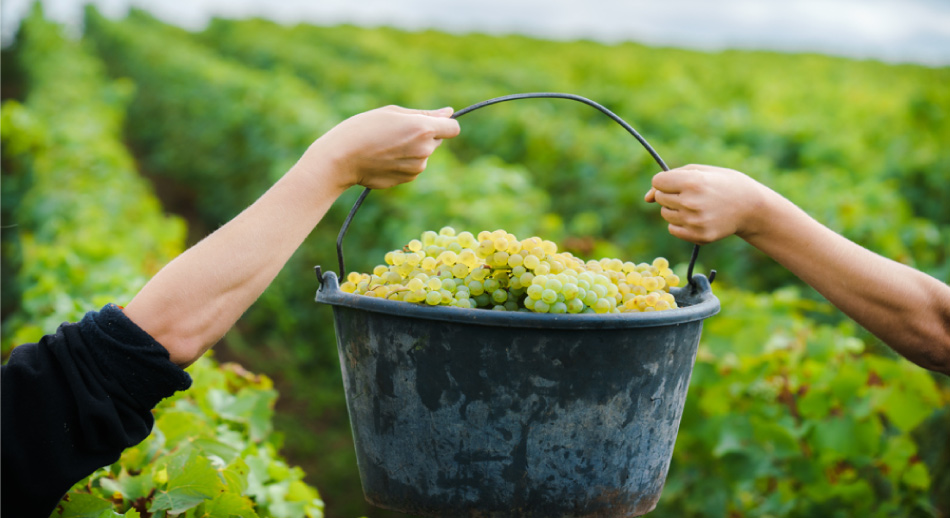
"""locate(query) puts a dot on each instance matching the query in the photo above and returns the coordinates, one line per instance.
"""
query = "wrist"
(326, 166)
(762, 208)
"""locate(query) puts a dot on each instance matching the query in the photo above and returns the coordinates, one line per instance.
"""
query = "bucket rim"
(697, 304)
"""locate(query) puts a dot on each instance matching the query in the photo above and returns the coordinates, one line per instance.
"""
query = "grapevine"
(496, 270)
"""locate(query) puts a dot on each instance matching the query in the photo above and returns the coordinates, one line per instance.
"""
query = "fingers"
(650, 196)
(439, 122)
(445, 127)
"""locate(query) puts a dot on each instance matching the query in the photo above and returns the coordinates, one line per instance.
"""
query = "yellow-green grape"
(672, 280)
(433, 298)
(660, 263)
(415, 245)
(415, 284)
(650, 283)
(428, 237)
(531, 262)
(447, 231)
(460, 270)
(476, 288)
(468, 258)
(466, 239)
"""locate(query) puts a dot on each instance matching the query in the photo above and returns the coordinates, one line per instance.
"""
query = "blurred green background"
(792, 411)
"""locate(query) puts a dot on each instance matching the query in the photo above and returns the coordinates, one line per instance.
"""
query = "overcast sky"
(915, 31)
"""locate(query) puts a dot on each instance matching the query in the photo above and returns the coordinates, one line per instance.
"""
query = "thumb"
(441, 112)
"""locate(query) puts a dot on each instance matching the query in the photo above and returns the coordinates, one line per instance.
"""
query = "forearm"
(905, 308)
(192, 302)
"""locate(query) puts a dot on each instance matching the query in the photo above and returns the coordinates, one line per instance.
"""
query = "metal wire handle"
(534, 95)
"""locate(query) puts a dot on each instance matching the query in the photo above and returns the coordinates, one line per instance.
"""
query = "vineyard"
(122, 147)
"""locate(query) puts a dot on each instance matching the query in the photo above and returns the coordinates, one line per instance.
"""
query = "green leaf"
(226, 505)
(235, 476)
(917, 476)
(84, 505)
(188, 485)
(130, 487)
(179, 426)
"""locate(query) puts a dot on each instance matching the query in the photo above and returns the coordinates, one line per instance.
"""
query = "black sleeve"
(72, 402)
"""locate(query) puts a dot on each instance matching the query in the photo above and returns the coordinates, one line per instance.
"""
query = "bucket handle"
(533, 95)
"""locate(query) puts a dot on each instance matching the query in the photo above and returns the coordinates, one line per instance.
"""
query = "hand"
(703, 203)
(382, 147)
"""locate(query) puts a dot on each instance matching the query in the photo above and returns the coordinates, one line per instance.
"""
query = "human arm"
(190, 304)
(907, 309)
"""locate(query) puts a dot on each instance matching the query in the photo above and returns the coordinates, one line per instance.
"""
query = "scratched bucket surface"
(471, 412)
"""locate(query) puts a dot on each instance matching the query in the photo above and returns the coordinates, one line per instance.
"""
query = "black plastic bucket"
(470, 412)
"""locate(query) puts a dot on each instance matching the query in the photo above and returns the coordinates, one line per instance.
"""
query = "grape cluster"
(496, 270)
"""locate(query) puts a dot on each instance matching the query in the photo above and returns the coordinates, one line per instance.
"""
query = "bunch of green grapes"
(498, 271)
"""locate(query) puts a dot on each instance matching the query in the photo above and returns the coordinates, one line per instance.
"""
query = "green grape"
(476, 288)
(480, 273)
(534, 291)
(601, 306)
(499, 259)
(549, 296)
(485, 248)
(541, 307)
(590, 298)
(575, 306)
(466, 239)
(558, 307)
(570, 290)
(499, 296)
(433, 298)
(448, 258)
(527, 279)
(468, 258)
(531, 262)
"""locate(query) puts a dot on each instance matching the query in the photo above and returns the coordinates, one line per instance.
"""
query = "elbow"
(937, 358)
(185, 350)
(930, 345)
